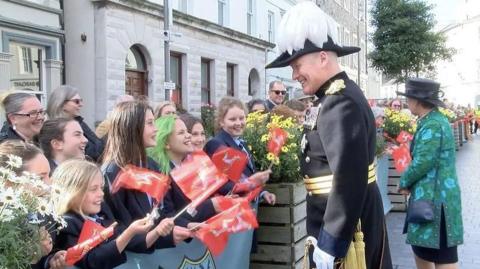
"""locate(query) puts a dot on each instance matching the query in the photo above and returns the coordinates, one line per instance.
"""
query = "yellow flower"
(284, 149)
(270, 156)
(264, 138)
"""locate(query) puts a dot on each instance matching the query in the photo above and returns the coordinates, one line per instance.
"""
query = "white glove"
(322, 259)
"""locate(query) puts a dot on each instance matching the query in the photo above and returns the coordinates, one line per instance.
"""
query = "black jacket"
(130, 205)
(103, 256)
(175, 201)
(342, 143)
(95, 145)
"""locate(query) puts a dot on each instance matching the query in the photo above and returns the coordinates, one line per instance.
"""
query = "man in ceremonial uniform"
(338, 144)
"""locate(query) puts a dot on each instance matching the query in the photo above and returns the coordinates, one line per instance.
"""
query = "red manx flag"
(401, 158)
(77, 252)
(230, 162)
(143, 180)
(278, 138)
(254, 194)
(238, 218)
(404, 137)
(198, 178)
(89, 229)
(246, 186)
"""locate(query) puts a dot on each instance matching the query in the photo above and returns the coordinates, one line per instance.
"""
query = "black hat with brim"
(424, 90)
(286, 58)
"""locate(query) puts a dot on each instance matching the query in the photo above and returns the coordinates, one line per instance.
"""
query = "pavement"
(468, 172)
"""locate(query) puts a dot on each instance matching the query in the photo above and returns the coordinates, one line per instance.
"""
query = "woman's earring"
(14, 127)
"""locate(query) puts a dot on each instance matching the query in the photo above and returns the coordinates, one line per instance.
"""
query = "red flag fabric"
(198, 178)
(77, 252)
(89, 229)
(404, 137)
(278, 138)
(254, 194)
(401, 157)
(246, 186)
(231, 162)
(141, 179)
(238, 218)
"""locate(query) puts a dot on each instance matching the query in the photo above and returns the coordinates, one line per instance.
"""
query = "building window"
(176, 77)
(183, 6)
(250, 16)
(253, 82)
(26, 69)
(205, 81)
(271, 26)
(230, 79)
(222, 12)
(26, 60)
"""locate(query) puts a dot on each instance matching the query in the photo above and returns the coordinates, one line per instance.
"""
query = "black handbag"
(422, 211)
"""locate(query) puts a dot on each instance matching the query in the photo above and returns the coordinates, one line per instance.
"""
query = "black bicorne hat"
(286, 58)
(424, 90)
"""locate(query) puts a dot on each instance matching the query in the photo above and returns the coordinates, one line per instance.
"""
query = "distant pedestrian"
(276, 94)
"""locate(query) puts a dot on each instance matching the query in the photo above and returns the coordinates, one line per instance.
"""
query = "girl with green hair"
(173, 146)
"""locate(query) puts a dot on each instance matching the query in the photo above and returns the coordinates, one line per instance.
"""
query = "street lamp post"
(167, 21)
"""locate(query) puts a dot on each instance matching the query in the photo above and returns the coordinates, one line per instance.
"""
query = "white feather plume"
(305, 21)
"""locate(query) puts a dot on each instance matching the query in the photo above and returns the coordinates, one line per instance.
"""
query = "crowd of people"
(65, 151)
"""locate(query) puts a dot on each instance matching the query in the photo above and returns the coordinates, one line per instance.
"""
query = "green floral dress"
(434, 163)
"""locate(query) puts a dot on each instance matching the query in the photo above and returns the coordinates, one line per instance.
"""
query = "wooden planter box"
(399, 201)
(283, 231)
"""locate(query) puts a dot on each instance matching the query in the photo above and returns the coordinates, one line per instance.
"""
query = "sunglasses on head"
(280, 92)
(77, 101)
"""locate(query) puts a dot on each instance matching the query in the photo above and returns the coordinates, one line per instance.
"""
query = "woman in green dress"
(432, 176)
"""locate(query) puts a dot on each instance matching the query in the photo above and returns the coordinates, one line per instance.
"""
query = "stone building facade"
(116, 46)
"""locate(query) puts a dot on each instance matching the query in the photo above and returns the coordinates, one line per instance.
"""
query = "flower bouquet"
(396, 122)
(286, 166)
(451, 115)
(27, 216)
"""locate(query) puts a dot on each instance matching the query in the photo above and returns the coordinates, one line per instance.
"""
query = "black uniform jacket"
(175, 201)
(130, 205)
(342, 143)
(224, 139)
(95, 145)
(103, 256)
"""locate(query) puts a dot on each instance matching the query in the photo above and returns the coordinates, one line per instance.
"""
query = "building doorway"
(136, 74)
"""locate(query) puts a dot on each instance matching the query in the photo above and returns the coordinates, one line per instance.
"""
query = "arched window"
(253, 82)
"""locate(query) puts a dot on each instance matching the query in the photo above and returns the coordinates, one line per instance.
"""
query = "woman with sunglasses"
(25, 116)
(65, 102)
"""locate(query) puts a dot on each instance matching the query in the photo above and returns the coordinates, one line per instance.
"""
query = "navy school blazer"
(224, 139)
(175, 201)
(103, 256)
(130, 205)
